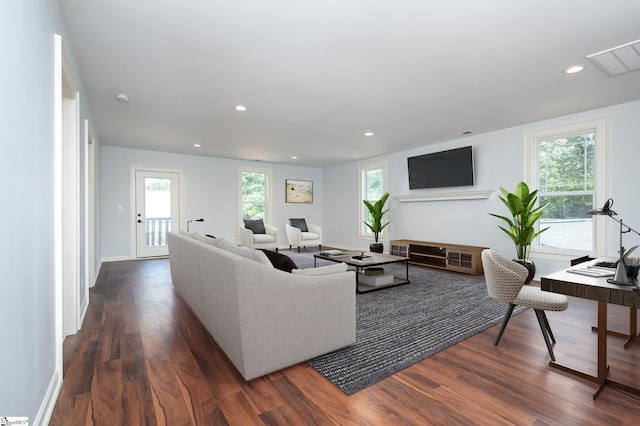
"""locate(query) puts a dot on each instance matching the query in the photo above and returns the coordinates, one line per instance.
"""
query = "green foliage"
(376, 213)
(567, 175)
(254, 195)
(522, 205)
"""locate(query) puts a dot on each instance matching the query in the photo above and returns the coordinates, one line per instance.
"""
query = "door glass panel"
(157, 207)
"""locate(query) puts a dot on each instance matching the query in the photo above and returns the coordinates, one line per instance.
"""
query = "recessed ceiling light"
(197, 145)
(368, 134)
(122, 97)
(240, 108)
(294, 157)
(574, 69)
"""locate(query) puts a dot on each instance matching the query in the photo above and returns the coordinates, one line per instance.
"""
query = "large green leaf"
(524, 214)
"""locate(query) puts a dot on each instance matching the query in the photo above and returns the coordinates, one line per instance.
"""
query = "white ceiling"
(316, 75)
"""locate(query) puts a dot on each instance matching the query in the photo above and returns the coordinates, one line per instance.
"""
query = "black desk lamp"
(621, 271)
(193, 220)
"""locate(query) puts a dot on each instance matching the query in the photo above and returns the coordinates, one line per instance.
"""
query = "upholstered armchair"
(303, 234)
(255, 234)
(505, 282)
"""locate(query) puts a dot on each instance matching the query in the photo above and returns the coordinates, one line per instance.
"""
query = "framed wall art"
(299, 191)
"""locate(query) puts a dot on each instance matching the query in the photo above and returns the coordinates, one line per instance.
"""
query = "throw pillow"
(255, 225)
(280, 261)
(300, 223)
(322, 270)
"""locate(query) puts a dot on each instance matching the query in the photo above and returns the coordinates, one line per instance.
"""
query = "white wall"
(28, 358)
(498, 162)
(210, 192)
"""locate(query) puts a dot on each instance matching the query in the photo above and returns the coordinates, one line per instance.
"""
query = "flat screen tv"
(453, 167)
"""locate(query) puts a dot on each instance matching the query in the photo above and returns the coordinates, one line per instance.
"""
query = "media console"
(452, 257)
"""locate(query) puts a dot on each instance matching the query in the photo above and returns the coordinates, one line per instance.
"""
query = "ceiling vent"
(618, 60)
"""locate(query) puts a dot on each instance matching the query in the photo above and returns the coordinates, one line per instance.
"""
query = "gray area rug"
(399, 326)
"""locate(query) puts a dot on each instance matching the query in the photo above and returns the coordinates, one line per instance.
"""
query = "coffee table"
(371, 260)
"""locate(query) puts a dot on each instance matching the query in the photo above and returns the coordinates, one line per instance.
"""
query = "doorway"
(157, 211)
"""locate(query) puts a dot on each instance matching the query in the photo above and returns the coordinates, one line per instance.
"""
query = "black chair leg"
(546, 323)
(504, 322)
(543, 328)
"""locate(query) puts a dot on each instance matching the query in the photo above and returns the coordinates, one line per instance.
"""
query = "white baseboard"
(115, 259)
(49, 402)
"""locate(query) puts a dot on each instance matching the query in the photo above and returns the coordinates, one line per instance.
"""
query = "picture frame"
(299, 191)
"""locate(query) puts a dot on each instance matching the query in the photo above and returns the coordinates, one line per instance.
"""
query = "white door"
(157, 209)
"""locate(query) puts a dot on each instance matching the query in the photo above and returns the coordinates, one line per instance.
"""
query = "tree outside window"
(567, 186)
(254, 194)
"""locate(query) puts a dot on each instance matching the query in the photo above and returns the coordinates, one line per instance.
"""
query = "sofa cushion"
(205, 239)
(322, 270)
(255, 225)
(256, 255)
(263, 238)
(309, 236)
(280, 261)
(299, 223)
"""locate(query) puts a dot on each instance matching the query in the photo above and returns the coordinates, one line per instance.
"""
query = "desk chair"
(505, 282)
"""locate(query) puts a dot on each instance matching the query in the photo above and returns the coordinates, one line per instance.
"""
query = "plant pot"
(531, 267)
(376, 247)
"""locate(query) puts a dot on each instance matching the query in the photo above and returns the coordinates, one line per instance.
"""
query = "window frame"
(268, 202)
(599, 127)
(363, 231)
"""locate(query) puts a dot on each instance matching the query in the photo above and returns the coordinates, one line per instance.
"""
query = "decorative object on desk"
(522, 205)
(299, 191)
(632, 266)
(376, 213)
(362, 256)
(621, 276)
(193, 220)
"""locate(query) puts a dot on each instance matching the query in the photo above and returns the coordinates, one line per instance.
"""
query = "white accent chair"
(505, 282)
(268, 240)
(311, 237)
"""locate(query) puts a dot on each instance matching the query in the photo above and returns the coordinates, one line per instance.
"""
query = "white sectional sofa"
(264, 319)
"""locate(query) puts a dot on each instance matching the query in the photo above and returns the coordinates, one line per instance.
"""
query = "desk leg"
(602, 348)
(601, 378)
(633, 326)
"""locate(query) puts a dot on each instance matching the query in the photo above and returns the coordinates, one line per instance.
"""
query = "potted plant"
(524, 214)
(376, 212)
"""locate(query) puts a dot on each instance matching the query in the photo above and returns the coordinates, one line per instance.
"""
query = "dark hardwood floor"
(142, 357)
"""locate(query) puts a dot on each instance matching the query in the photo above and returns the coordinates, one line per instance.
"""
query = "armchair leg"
(298, 249)
(504, 322)
(541, 320)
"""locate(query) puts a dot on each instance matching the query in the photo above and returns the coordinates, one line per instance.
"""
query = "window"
(568, 167)
(254, 194)
(372, 187)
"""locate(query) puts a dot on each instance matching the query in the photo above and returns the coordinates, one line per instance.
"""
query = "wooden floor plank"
(142, 357)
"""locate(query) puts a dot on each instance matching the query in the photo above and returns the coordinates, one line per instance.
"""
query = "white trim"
(57, 203)
(50, 398)
(600, 127)
(446, 196)
(115, 259)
